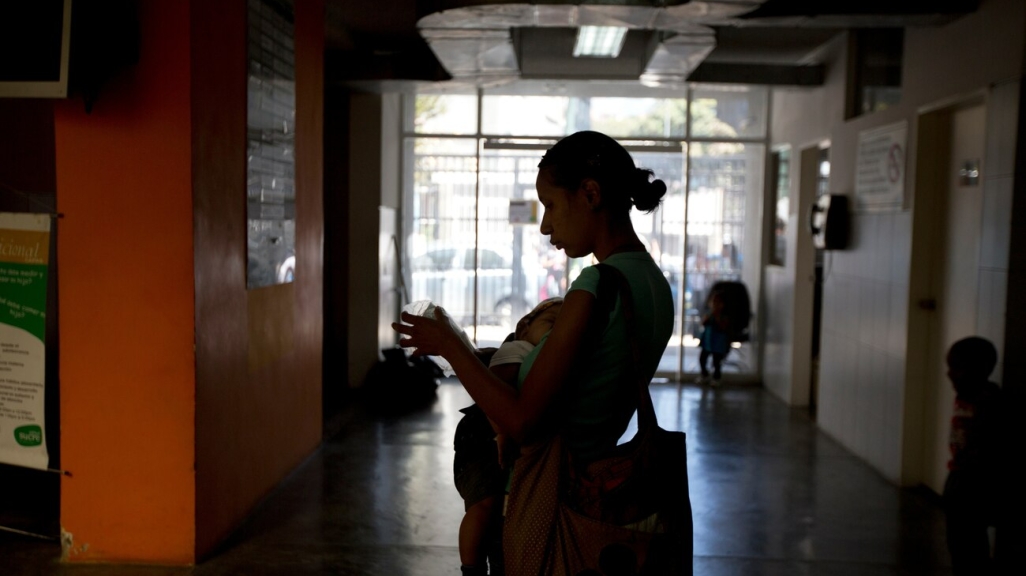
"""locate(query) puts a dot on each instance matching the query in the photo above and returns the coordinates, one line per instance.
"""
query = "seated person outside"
(715, 340)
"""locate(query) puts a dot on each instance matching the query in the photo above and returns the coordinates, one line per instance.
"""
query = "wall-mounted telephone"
(828, 222)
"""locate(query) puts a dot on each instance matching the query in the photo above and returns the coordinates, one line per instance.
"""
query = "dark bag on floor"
(399, 384)
(626, 514)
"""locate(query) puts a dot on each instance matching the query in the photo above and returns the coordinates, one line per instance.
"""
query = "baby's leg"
(474, 534)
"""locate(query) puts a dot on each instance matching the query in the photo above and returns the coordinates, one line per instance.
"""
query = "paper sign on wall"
(523, 212)
(880, 169)
(24, 253)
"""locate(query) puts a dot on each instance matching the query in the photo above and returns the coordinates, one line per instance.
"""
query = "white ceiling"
(373, 42)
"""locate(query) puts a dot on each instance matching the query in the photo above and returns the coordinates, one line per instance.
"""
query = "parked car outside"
(445, 275)
(287, 269)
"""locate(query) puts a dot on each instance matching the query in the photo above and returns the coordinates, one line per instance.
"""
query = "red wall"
(124, 184)
(258, 352)
(185, 397)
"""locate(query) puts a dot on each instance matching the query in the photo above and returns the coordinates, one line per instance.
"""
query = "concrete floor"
(772, 496)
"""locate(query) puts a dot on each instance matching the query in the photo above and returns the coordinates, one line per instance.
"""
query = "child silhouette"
(715, 340)
(970, 492)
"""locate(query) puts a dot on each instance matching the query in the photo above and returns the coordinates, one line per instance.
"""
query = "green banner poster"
(24, 251)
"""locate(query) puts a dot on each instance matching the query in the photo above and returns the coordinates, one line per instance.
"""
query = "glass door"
(724, 179)
(663, 232)
(470, 213)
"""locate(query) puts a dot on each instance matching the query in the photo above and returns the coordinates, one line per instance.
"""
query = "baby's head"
(536, 323)
(970, 363)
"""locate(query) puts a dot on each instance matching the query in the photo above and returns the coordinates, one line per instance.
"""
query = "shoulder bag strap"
(646, 411)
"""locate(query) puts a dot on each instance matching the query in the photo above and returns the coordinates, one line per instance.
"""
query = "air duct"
(475, 45)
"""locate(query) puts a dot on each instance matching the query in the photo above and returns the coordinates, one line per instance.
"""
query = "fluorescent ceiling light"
(599, 41)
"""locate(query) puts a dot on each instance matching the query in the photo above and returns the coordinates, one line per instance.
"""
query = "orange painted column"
(126, 293)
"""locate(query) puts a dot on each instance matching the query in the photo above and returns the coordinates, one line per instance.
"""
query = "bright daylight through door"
(470, 167)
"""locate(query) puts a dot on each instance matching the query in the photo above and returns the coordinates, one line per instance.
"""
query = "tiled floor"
(771, 496)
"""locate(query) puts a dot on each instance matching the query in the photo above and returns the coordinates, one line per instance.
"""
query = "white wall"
(777, 311)
(862, 355)
(373, 182)
(998, 183)
(865, 390)
(800, 118)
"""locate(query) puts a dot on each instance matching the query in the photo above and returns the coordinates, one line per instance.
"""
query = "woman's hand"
(430, 337)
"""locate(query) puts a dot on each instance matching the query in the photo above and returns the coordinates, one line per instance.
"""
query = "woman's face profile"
(563, 216)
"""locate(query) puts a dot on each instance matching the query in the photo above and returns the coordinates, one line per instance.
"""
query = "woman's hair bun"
(647, 195)
(589, 154)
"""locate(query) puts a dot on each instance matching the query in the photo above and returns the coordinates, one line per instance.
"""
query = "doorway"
(946, 242)
(822, 187)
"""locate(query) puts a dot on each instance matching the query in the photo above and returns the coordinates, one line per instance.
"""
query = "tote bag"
(625, 515)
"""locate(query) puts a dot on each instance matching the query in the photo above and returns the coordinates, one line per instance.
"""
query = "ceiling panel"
(770, 41)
